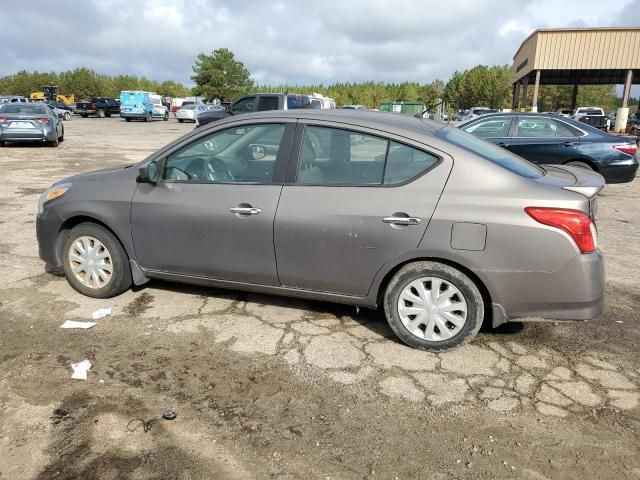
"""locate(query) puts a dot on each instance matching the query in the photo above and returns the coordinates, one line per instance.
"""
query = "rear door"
(544, 140)
(353, 200)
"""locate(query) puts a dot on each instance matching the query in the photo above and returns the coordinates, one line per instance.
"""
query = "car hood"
(93, 176)
(575, 179)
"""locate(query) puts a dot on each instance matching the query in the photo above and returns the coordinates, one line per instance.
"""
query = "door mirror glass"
(148, 173)
(257, 152)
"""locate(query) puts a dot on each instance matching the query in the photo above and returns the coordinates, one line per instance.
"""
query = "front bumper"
(573, 292)
(47, 228)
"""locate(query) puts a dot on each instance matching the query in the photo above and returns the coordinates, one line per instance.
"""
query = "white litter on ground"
(74, 324)
(81, 370)
(101, 313)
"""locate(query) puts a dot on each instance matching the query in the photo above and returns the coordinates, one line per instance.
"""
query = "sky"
(286, 41)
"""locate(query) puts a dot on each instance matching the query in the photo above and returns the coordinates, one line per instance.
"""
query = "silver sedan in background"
(190, 112)
(30, 122)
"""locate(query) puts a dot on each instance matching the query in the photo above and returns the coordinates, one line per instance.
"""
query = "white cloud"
(287, 41)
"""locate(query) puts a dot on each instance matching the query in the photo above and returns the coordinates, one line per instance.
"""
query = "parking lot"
(270, 387)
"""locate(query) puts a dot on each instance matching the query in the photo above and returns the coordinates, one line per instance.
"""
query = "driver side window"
(244, 154)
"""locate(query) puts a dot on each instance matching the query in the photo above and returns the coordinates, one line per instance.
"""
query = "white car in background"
(191, 111)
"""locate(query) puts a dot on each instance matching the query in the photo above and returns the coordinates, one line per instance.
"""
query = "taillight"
(93, 106)
(41, 120)
(577, 224)
(3, 118)
(628, 148)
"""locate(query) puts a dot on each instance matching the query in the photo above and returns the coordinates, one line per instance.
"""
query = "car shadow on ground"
(374, 320)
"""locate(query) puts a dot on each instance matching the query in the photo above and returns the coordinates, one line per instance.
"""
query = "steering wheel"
(217, 171)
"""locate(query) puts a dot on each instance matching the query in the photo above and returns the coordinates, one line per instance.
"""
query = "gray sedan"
(30, 122)
(437, 227)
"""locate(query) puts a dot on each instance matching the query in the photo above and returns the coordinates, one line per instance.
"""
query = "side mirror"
(148, 173)
(257, 152)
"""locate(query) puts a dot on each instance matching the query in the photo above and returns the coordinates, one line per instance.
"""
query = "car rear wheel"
(54, 143)
(579, 164)
(100, 114)
(128, 119)
(95, 262)
(84, 115)
(432, 306)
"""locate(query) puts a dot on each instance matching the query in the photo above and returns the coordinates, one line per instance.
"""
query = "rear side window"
(491, 152)
(541, 127)
(332, 156)
(267, 103)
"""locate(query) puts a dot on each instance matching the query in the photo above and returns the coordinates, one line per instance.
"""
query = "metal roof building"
(576, 56)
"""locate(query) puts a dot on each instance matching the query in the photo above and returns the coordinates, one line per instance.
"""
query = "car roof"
(363, 118)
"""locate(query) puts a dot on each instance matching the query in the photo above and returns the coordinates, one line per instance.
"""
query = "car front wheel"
(432, 306)
(95, 262)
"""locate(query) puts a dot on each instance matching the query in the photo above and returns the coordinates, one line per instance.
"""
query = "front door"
(212, 212)
(353, 201)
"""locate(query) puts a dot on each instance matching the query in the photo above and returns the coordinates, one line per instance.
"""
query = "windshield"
(189, 107)
(23, 108)
(491, 152)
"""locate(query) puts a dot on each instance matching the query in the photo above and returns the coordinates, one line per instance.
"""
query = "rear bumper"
(135, 114)
(619, 173)
(573, 292)
(24, 135)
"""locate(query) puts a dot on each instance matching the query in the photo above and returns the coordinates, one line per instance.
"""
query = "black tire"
(468, 289)
(84, 115)
(128, 119)
(2, 144)
(100, 114)
(54, 143)
(120, 279)
(579, 164)
(61, 137)
(67, 116)
(181, 120)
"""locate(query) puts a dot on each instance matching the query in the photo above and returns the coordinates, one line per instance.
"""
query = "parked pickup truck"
(99, 106)
(256, 102)
(593, 116)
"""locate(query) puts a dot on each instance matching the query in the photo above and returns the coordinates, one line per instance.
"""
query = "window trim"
(296, 154)
(281, 161)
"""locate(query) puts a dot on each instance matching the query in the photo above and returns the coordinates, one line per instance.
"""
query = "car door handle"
(402, 220)
(245, 210)
(568, 144)
(502, 144)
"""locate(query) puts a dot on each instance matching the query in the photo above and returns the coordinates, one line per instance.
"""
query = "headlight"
(53, 192)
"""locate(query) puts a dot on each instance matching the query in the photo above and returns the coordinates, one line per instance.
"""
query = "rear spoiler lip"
(586, 190)
(587, 183)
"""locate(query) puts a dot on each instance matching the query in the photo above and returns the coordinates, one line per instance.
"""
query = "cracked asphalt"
(271, 387)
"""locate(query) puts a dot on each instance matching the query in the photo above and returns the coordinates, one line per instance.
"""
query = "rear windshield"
(491, 152)
(298, 101)
(190, 106)
(23, 108)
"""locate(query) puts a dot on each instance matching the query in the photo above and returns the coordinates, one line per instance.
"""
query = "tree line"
(220, 75)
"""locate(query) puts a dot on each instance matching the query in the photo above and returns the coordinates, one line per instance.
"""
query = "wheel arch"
(71, 222)
(494, 315)
(588, 161)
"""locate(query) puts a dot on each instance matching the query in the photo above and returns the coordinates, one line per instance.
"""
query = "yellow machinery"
(52, 93)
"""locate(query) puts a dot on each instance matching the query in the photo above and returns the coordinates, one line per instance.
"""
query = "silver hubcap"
(432, 309)
(90, 262)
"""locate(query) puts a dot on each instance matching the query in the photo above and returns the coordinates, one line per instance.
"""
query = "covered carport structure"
(577, 56)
